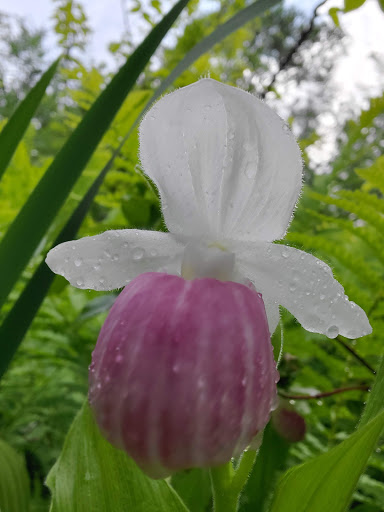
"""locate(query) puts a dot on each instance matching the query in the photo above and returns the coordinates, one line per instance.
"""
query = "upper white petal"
(112, 259)
(302, 284)
(225, 164)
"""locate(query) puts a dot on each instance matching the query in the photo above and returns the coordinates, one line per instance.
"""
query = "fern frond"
(362, 210)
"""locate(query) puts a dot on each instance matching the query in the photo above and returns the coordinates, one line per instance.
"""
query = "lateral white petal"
(112, 259)
(225, 164)
(302, 284)
(273, 313)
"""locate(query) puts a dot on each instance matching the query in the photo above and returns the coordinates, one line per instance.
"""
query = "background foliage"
(339, 218)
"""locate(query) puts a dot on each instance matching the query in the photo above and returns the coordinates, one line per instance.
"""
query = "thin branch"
(353, 352)
(286, 59)
(325, 394)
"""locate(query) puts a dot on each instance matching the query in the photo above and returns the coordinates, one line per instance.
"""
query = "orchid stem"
(325, 394)
(227, 483)
(243, 470)
(224, 498)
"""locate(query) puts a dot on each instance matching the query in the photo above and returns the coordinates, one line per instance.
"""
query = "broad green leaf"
(194, 487)
(381, 4)
(29, 227)
(14, 130)
(92, 475)
(14, 481)
(270, 461)
(328, 481)
(351, 5)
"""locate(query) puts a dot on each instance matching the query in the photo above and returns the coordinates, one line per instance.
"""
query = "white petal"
(302, 284)
(273, 313)
(225, 164)
(112, 259)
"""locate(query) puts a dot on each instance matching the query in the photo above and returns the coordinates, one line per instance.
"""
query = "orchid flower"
(183, 372)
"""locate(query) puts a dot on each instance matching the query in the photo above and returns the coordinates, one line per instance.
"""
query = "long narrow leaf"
(18, 320)
(16, 324)
(35, 217)
(14, 130)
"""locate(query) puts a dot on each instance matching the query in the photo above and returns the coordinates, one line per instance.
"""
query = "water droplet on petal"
(138, 253)
(96, 267)
(118, 358)
(332, 331)
(80, 282)
(115, 257)
(101, 280)
(78, 262)
(285, 253)
(292, 287)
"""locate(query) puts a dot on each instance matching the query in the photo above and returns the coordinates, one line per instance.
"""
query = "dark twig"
(286, 59)
(323, 395)
(353, 352)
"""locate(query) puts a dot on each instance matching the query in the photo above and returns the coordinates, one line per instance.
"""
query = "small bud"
(288, 423)
(183, 373)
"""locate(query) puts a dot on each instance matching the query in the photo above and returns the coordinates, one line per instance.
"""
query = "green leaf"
(374, 174)
(333, 14)
(269, 462)
(375, 402)
(381, 4)
(137, 211)
(14, 130)
(351, 5)
(18, 320)
(194, 487)
(91, 474)
(29, 227)
(328, 481)
(14, 481)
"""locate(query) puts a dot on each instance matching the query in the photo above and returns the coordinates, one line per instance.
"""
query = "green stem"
(227, 483)
(243, 471)
(224, 499)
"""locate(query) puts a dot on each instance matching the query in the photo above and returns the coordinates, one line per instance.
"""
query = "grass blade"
(14, 130)
(29, 227)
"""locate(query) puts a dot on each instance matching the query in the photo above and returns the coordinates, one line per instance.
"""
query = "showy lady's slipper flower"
(183, 372)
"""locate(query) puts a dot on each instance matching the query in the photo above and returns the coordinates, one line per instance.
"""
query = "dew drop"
(292, 287)
(332, 331)
(244, 382)
(101, 280)
(96, 267)
(138, 253)
(153, 253)
(78, 262)
(175, 368)
(322, 296)
(115, 257)
(285, 253)
(118, 358)
(66, 260)
(80, 282)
